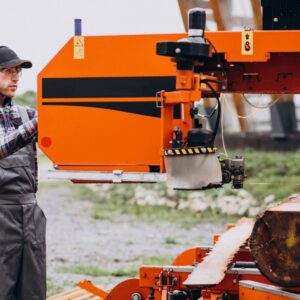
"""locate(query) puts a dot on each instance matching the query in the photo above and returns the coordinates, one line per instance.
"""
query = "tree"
(27, 99)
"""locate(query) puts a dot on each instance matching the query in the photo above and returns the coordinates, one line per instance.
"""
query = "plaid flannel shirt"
(13, 134)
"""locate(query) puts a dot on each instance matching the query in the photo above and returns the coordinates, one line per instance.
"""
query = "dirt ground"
(75, 239)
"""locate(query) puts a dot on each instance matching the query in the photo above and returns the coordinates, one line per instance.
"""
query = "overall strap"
(25, 118)
(17, 199)
(23, 113)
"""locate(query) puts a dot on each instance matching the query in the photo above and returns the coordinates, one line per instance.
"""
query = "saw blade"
(211, 270)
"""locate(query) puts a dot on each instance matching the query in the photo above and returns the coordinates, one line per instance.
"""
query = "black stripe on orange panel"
(141, 108)
(106, 87)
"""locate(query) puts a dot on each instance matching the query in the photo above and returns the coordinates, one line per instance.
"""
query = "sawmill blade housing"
(110, 107)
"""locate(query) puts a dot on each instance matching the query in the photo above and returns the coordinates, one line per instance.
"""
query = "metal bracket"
(116, 176)
(159, 95)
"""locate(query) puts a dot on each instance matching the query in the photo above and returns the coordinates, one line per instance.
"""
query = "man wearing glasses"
(22, 222)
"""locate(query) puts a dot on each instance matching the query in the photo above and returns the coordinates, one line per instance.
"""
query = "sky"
(38, 29)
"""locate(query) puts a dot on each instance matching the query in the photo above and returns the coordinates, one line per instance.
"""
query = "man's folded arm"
(17, 139)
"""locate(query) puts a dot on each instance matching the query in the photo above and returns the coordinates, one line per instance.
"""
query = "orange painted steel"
(87, 138)
(190, 256)
(254, 294)
(151, 278)
(123, 290)
(126, 289)
(91, 131)
(88, 286)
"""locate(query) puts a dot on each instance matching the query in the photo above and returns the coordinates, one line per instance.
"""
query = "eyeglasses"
(11, 71)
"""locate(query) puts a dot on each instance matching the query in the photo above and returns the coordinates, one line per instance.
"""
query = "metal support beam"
(240, 109)
(217, 14)
(257, 15)
(183, 11)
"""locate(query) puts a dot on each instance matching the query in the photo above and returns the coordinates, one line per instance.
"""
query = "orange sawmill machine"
(123, 109)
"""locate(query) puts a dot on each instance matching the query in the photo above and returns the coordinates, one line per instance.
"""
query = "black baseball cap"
(8, 58)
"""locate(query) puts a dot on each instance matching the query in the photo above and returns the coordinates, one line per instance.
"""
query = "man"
(22, 222)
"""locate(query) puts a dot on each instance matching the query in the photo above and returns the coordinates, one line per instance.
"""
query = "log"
(275, 243)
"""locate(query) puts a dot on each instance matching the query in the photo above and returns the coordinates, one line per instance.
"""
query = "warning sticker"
(78, 47)
(247, 43)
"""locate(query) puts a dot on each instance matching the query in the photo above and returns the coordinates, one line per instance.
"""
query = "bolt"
(177, 50)
(275, 20)
(136, 296)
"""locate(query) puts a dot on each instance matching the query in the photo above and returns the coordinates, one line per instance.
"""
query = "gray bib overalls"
(22, 228)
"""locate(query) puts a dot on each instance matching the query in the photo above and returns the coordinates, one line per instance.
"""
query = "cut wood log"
(211, 270)
(275, 243)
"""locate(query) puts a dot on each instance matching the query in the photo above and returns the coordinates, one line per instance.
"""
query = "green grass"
(170, 241)
(155, 214)
(117, 201)
(28, 99)
(83, 192)
(53, 289)
(276, 173)
(156, 261)
(94, 271)
(52, 184)
(43, 159)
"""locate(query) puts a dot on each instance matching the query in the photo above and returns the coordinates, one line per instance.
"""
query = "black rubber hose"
(206, 81)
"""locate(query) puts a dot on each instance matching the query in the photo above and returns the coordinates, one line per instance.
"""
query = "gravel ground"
(74, 238)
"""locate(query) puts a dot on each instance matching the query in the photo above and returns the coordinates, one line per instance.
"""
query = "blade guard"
(193, 168)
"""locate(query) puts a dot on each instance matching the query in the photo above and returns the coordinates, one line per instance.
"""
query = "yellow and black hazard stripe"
(190, 151)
